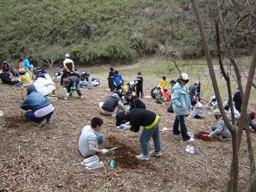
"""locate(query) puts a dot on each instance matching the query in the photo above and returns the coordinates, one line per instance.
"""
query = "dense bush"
(105, 31)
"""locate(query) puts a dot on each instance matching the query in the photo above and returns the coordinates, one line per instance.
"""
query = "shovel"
(113, 149)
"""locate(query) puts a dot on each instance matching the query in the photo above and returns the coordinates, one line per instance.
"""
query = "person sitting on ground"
(150, 121)
(25, 79)
(163, 84)
(213, 104)
(134, 101)
(108, 107)
(159, 96)
(6, 66)
(252, 126)
(7, 78)
(198, 111)
(237, 100)
(40, 109)
(139, 85)
(72, 84)
(220, 129)
(227, 108)
(90, 138)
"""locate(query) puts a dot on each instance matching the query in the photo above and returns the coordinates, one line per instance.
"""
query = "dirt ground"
(47, 159)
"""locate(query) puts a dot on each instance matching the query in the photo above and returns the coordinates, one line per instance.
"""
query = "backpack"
(153, 92)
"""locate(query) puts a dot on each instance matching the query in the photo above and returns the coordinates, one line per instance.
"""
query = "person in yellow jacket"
(163, 84)
(24, 77)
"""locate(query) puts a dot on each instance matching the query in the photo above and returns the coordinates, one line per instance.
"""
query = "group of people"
(138, 116)
(23, 77)
(183, 98)
(115, 82)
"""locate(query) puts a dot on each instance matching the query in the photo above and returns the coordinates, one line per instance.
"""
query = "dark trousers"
(30, 115)
(76, 87)
(139, 91)
(180, 122)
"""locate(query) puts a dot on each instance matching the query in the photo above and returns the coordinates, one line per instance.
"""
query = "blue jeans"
(31, 116)
(145, 137)
(180, 121)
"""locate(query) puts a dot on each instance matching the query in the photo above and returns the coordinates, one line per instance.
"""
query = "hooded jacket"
(35, 101)
(181, 101)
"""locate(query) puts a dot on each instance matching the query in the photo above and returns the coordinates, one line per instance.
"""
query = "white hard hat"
(184, 76)
(67, 55)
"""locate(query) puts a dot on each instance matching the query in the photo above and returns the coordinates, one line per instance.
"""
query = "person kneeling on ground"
(150, 121)
(134, 101)
(108, 107)
(220, 129)
(90, 139)
(198, 110)
(41, 110)
(72, 84)
(25, 79)
(252, 126)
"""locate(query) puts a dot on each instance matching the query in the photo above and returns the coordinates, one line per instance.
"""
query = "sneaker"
(41, 124)
(82, 97)
(155, 154)
(142, 157)
(190, 139)
(49, 120)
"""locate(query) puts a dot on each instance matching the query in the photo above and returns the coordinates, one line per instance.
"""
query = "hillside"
(47, 159)
(113, 31)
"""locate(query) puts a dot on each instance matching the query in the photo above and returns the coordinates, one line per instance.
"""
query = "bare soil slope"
(47, 159)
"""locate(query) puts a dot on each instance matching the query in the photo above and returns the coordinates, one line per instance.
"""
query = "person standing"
(181, 103)
(237, 100)
(68, 68)
(150, 121)
(110, 79)
(139, 85)
(27, 65)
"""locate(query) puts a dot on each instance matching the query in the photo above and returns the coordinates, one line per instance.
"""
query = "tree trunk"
(233, 177)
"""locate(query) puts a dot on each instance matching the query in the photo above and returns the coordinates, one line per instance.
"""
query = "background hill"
(116, 31)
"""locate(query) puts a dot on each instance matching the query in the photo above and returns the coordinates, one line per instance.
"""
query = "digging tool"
(113, 149)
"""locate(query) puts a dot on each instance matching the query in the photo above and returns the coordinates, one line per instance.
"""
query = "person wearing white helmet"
(68, 67)
(181, 103)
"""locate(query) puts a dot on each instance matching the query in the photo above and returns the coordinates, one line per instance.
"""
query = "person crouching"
(41, 110)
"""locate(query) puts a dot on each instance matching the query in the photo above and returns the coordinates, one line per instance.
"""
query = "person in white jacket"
(198, 110)
(44, 84)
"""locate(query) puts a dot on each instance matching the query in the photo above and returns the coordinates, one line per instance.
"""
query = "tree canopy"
(107, 31)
